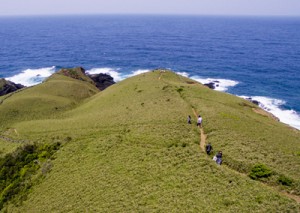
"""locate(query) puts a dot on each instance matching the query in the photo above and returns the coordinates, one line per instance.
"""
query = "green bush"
(260, 171)
(179, 90)
(284, 180)
(18, 167)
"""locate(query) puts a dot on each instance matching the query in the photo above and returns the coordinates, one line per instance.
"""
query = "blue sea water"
(255, 57)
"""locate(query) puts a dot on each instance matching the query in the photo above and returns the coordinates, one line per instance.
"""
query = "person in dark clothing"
(208, 148)
(219, 158)
(189, 120)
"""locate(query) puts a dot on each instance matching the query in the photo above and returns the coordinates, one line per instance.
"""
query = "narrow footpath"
(7, 139)
(202, 135)
(160, 75)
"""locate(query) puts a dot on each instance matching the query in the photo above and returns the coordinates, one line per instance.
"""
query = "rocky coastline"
(7, 87)
(101, 80)
(212, 85)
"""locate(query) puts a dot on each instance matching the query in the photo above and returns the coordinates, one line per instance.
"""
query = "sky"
(178, 7)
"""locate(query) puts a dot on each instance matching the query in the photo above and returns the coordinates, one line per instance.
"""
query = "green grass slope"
(130, 149)
(58, 93)
(47, 100)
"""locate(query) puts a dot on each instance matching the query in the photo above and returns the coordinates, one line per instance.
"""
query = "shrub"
(284, 180)
(260, 171)
(184, 144)
(179, 90)
(68, 139)
(165, 87)
(18, 167)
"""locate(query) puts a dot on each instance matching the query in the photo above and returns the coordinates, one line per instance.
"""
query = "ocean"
(257, 57)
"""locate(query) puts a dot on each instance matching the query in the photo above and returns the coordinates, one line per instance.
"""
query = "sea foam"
(136, 72)
(30, 77)
(220, 84)
(115, 72)
(275, 107)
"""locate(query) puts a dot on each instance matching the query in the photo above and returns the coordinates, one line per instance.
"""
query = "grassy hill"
(47, 100)
(130, 149)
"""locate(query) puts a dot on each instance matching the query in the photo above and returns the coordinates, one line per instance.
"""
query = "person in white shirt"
(199, 121)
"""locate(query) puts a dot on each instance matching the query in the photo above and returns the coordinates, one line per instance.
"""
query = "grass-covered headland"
(129, 149)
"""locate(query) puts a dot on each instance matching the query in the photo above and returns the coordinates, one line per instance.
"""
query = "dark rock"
(253, 101)
(101, 80)
(7, 87)
(210, 85)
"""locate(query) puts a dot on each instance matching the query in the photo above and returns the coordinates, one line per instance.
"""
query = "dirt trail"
(203, 139)
(7, 139)
(6, 136)
(160, 75)
(202, 134)
(294, 197)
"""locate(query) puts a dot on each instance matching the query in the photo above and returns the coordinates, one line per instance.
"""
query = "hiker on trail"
(208, 148)
(199, 121)
(189, 119)
(219, 158)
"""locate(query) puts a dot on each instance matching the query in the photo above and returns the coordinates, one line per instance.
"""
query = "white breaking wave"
(185, 74)
(32, 77)
(220, 84)
(137, 72)
(110, 71)
(274, 106)
(115, 73)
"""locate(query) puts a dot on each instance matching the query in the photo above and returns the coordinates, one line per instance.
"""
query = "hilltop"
(129, 148)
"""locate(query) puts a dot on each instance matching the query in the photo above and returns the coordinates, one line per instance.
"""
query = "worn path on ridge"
(202, 142)
(202, 135)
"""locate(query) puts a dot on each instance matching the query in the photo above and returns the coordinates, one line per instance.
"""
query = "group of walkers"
(208, 147)
(199, 120)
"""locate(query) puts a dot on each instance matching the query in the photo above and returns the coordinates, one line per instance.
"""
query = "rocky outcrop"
(7, 87)
(253, 101)
(212, 85)
(76, 73)
(101, 80)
